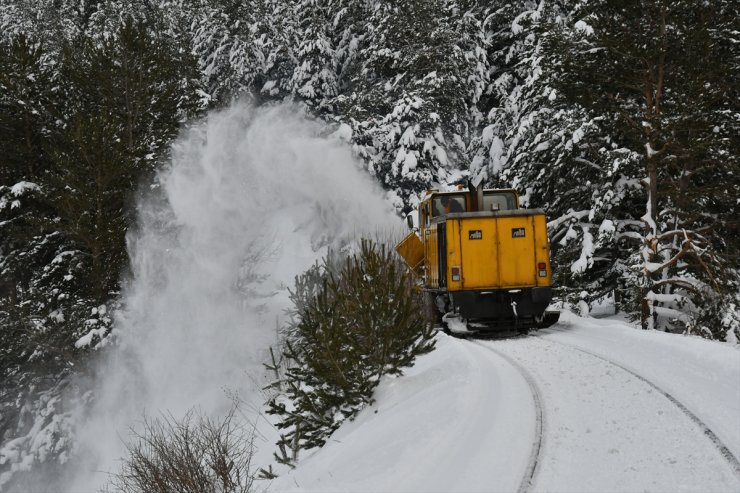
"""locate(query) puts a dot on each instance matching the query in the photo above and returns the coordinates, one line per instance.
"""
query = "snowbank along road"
(588, 405)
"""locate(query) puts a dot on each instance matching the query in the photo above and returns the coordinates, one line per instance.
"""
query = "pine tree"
(552, 150)
(314, 77)
(408, 102)
(26, 95)
(126, 98)
(88, 119)
(656, 72)
(356, 320)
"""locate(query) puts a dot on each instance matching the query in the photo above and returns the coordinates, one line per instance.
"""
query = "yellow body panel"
(515, 254)
(477, 257)
(542, 249)
(497, 252)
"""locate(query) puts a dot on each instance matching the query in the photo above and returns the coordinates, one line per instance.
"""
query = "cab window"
(447, 204)
(499, 201)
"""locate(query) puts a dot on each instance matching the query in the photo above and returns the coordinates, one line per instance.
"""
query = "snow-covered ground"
(464, 418)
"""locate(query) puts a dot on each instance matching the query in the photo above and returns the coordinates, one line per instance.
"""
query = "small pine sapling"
(355, 320)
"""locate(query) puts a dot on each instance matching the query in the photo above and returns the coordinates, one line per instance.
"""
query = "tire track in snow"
(534, 458)
(716, 441)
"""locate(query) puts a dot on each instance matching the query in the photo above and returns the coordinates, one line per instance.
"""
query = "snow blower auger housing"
(482, 260)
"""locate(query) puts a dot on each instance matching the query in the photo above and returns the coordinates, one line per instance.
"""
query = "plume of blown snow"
(252, 197)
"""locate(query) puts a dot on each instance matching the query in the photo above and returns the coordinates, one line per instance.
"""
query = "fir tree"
(408, 101)
(314, 77)
(355, 321)
(663, 80)
(74, 165)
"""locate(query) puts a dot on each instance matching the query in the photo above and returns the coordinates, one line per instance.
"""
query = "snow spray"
(251, 198)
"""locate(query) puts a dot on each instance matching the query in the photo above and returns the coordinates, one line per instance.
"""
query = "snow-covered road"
(621, 410)
(607, 430)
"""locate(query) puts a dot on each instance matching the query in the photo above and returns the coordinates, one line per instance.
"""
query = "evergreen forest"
(619, 118)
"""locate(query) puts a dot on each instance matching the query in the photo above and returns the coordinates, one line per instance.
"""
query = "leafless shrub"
(195, 454)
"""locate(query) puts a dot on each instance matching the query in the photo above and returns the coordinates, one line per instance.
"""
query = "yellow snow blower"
(482, 260)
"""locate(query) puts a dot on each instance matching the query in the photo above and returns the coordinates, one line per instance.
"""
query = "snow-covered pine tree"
(664, 86)
(125, 101)
(236, 45)
(569, 162)
(507, 49)
(551, 150)
(26, 95)
(357, 318)
(407, 105)
(315, 74)
(348, 24)
(36, 347)
(471, 38)
(45, 20)
(87, 120)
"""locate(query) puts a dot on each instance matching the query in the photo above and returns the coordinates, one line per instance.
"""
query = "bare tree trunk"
(650, 247)
(653, 94)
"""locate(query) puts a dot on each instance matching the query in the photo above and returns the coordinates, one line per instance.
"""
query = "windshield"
(499, 201)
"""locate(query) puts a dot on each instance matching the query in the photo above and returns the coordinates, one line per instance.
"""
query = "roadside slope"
(462, 419)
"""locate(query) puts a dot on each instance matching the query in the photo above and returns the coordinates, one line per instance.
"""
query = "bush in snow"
(355, 320)
(191, 455)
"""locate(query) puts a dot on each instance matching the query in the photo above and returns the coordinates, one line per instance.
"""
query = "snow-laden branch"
(672, 314)
(633, 235)
(688, 245)
(685, 283)
(653, 267)
(585, 261)
(683, 232)
(577, 215)
(589, 163)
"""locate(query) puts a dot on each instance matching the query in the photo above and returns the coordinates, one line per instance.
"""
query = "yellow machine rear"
(482, 259)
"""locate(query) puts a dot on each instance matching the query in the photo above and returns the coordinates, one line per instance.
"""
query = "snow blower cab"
(482, 260)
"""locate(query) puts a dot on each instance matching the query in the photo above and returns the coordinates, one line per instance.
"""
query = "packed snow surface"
(462, 419)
